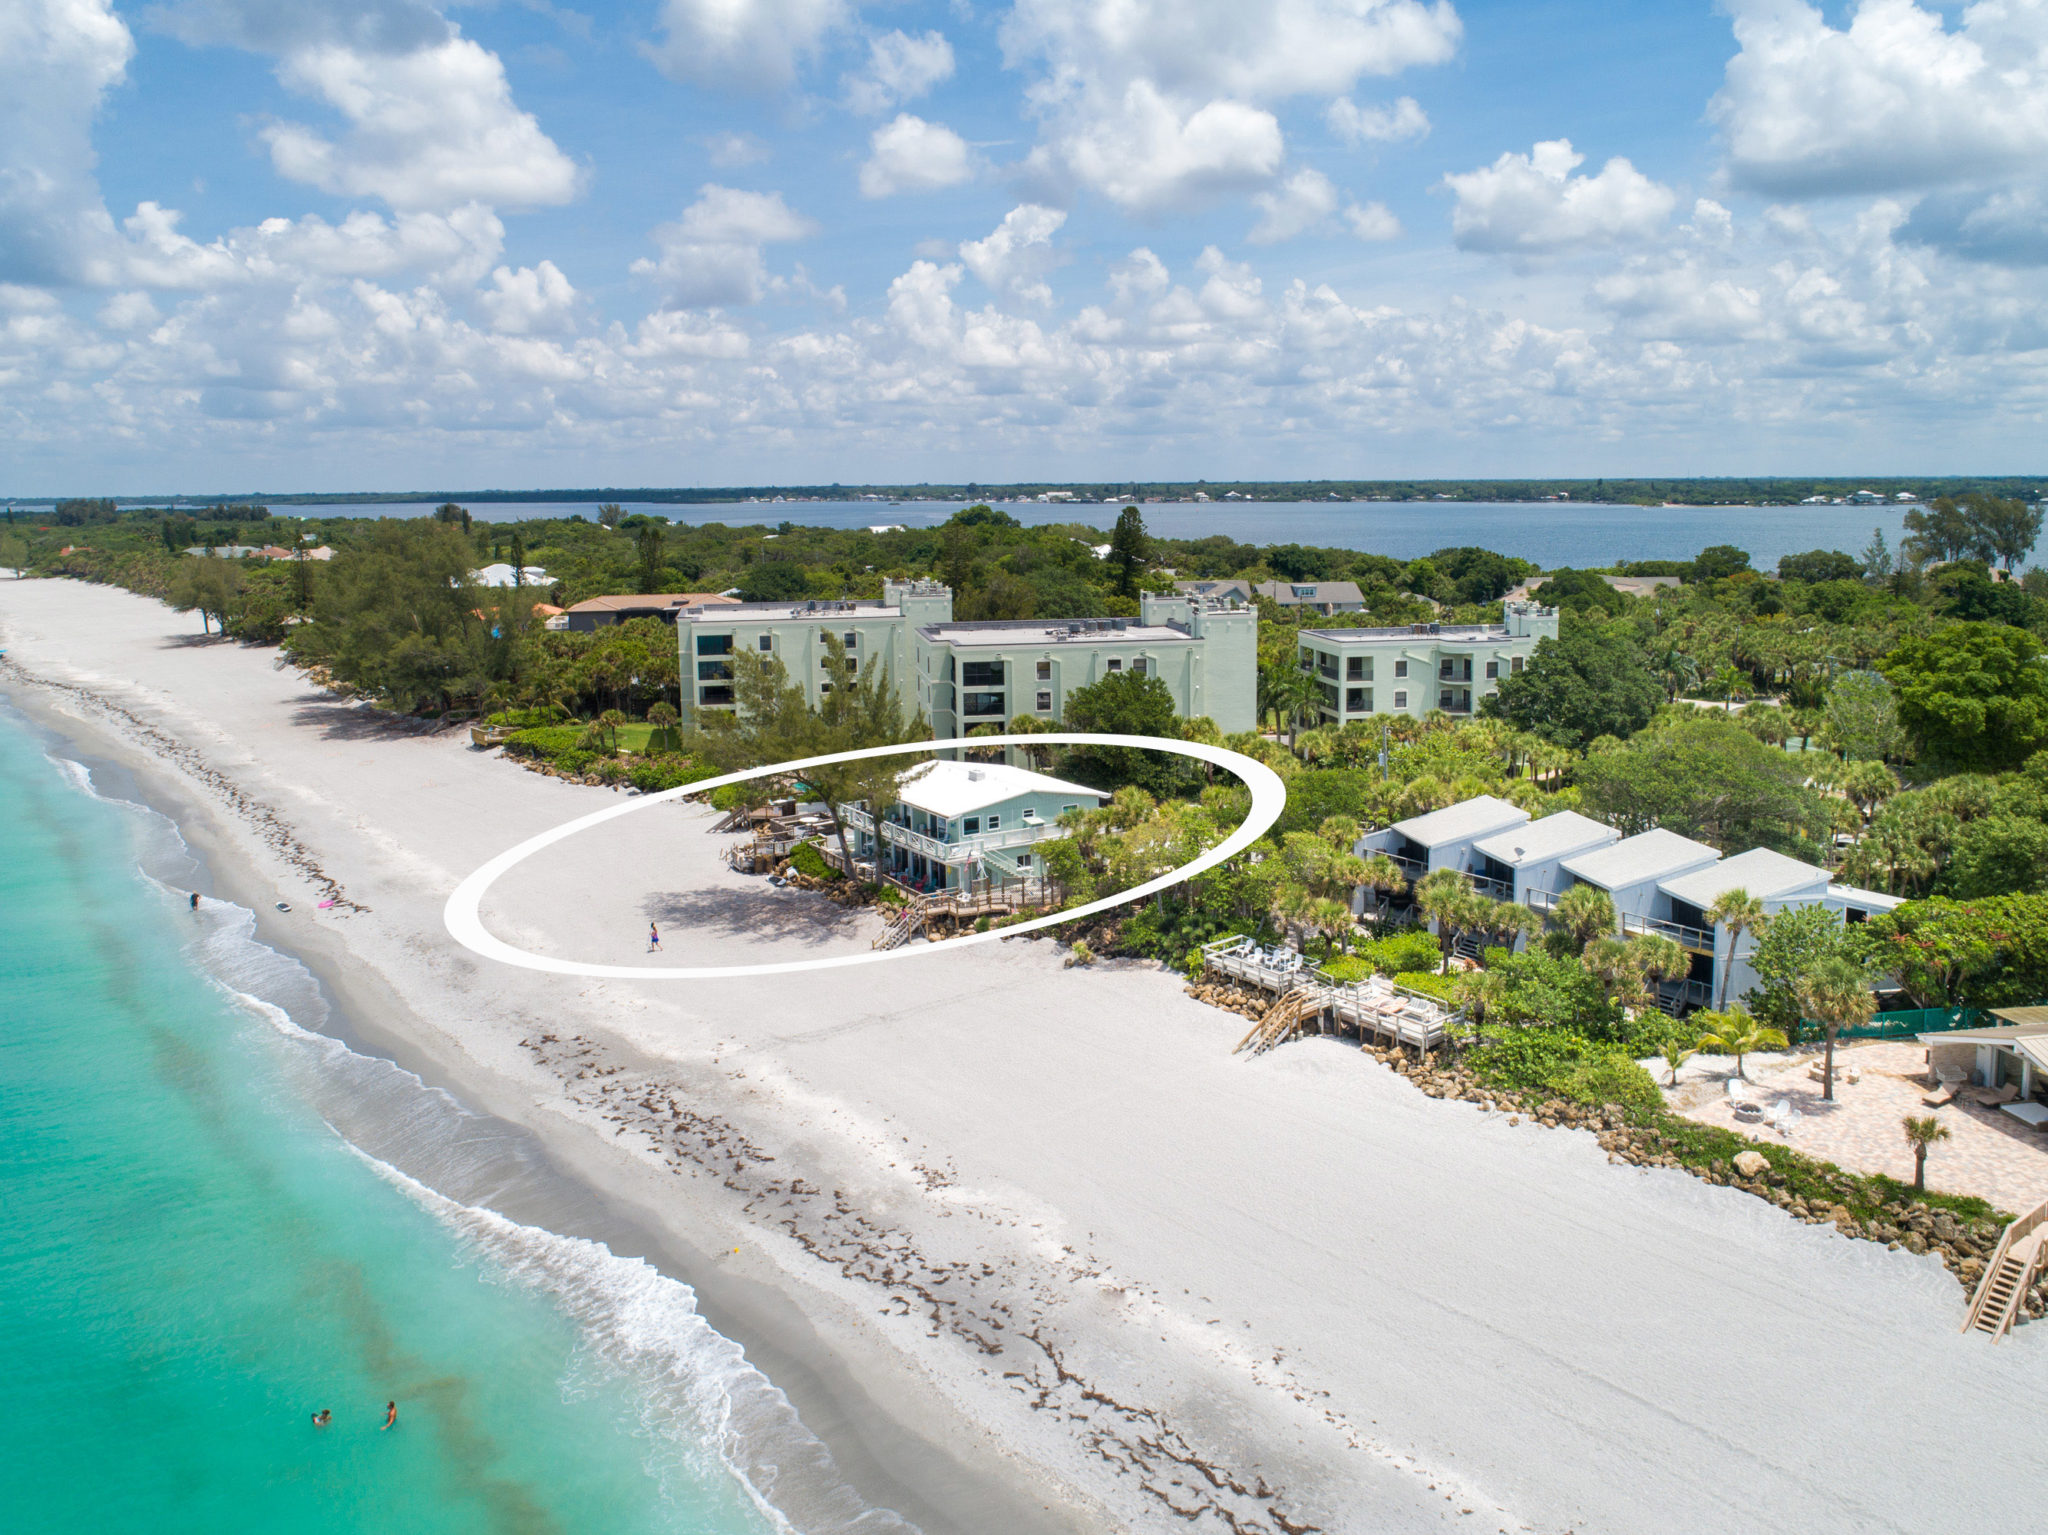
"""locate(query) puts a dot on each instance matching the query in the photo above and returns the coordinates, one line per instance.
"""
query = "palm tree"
(1837, 992)
(1440, 896)
(1676, 1054)
(1736, 1033)
(608, 723)
(1584, 911)
(1656, 958)
(1739, 912)
(1920, 1135)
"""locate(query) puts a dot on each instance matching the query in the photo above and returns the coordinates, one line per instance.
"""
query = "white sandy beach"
(1033, 1245)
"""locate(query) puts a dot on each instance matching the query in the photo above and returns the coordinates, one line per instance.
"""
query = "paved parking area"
(1989, 1153)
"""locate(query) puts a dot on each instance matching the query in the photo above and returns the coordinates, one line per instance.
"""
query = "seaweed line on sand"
(976, 1302)
(262, 818)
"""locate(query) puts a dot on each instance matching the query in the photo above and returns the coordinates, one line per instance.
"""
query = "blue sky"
(395, 243)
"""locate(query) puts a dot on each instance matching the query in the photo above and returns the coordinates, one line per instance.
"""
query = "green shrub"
(654, 774)
(1397, 953)
(732, 796)
(887, 895)
(806, 860)
(1567, 1064)
(1345, 968)
(575, 761)
(1443, 987)
(547, 742)
(528, 719)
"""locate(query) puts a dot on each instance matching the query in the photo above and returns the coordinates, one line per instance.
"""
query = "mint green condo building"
(963, 675)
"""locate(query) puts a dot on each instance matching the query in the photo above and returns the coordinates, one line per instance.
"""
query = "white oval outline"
(462, 914)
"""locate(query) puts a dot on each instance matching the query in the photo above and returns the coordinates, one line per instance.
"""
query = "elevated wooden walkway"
(2008, 1275)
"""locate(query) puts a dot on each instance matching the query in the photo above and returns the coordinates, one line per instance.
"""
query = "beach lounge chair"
(1991, 1097)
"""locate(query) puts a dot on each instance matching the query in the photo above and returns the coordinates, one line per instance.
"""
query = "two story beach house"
(1421, 667)
(963, 823)
(1660, 882)
(961, 675)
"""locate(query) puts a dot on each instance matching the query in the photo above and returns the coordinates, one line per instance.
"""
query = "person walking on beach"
(653, 939)
(390, 1415)
(322, 1418)
(195, 900)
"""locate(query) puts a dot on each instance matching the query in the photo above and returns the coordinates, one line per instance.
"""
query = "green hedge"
(1443, 987)
(1400, 952)
(807, 860)
(655, 774)
(547, 742)
(1569, 1065)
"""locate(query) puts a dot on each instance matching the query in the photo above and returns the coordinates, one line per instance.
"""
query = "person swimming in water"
(322, 1418)
(390, 1415)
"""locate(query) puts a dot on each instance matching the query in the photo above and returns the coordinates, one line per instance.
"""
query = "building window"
(767, 642)
(713, 696)
(970, 826)
(714, 644)
(1023, 860)
(982, 705)
(1045, 671)
(824, 663)
(1400, 700)
(981, 674)
(1358, 700)
(1308, 659)
(995, 823)
(714, 671)
(1065, 808)
(1328, 695)
(1492, 670)
(1115, 665)
(1514, 665)
(1400, 668)
(1358, 668)
(1045, 701)
(1446, 668)
(824, 687)
(1141, 666)
(851, 639)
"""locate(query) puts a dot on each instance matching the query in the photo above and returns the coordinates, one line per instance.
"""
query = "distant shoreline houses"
(962, 675)
(1660, 883)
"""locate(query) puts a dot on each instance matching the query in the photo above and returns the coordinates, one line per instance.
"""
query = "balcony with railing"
(1698, 939)
(1540, 900)
(1494, 889)
(963, 850)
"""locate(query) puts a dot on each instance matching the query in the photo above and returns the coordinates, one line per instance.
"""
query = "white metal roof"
(1766, 875)
(1875, 900)
(1648, 855)
(1467, 818)
(1552, 837)
(960, 788)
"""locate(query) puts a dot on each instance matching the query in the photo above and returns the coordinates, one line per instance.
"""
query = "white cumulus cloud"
(1533, 203)
(712, 255)
(432, 128)
(1896, 100)
(1016, 257)
(531, 301)
(1396, 124)
(1372, 221)
(752, 45)
(1297, 205)
(57, 59)
(909, 154)
(900, 68)
(1164, 104)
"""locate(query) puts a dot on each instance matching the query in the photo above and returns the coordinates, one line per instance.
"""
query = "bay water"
(216, 1220)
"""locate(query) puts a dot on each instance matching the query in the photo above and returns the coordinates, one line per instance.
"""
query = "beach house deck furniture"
(2013, 1052)
(964, 675)
(1419, 668)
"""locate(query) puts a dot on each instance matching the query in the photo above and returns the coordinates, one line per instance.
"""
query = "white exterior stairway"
(2007, 1276)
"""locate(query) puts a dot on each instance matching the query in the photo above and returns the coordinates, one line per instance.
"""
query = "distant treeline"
(1780, 491)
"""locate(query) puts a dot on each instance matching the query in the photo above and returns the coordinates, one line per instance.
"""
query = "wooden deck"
(1305, 998)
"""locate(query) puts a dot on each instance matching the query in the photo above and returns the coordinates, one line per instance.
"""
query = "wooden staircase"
(902, 927)
(2008, 1275)
(1290, 1012)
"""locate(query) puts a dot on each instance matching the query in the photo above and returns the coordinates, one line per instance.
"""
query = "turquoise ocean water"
(207, 1237)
